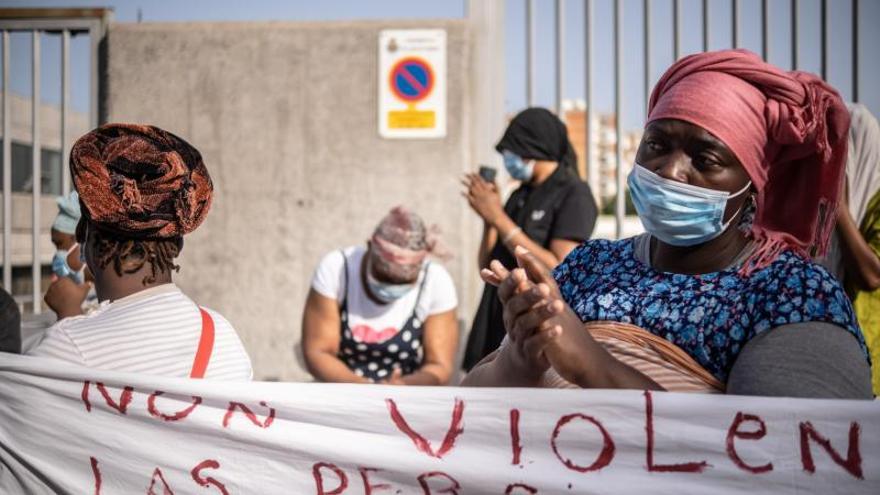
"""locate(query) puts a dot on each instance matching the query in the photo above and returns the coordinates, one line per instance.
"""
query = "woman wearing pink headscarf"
(736, 181)
(383, 313)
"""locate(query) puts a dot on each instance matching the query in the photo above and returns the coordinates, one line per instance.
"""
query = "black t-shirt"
(562, 207)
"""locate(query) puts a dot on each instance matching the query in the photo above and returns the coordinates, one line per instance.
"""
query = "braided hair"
(127, 255)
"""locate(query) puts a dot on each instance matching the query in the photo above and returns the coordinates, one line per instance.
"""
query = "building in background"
(601, 171)
(23, 186)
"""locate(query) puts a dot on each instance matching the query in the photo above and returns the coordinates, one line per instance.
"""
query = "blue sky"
(839, 59)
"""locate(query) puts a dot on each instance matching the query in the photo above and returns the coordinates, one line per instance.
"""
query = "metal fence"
(93, 22)
(67, 22)
(707, 9)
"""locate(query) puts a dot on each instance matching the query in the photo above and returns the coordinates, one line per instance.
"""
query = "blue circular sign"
(412, 79)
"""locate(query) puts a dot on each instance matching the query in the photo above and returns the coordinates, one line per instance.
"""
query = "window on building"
(22, 176)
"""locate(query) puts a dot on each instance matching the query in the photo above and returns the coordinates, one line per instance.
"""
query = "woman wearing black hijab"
(549, 214)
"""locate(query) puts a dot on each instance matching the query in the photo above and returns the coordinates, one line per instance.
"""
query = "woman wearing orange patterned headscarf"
(141, 189)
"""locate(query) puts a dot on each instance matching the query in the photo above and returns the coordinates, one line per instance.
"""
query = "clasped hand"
(542, 330)
(483, 197)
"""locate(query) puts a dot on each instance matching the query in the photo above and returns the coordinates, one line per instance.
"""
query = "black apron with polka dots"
(377, 361)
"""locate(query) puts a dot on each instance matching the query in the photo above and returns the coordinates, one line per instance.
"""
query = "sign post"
(412, 83)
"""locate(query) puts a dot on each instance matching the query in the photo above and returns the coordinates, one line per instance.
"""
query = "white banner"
(65, 429)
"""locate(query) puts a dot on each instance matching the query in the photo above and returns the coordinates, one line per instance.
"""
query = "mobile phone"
(487, 173)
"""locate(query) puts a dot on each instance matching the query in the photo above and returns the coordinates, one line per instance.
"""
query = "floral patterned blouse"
(710, 316)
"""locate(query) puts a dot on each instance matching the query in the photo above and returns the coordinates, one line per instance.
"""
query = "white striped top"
(154, 332)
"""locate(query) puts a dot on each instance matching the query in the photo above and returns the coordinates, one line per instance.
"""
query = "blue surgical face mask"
(518, 168)
(385, 292)
(676, 213)
(59, 264)
(61, 268)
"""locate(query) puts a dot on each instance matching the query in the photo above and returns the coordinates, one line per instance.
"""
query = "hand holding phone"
(487, 173)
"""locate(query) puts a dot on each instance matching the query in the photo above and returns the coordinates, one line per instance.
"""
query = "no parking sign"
(412, 83)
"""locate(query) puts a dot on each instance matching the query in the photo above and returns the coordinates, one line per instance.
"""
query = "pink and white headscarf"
(788, 129)
(401, 242)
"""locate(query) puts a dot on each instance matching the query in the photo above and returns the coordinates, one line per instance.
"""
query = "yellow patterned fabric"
(867, 304)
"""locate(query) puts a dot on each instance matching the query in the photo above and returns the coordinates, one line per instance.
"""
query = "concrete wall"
(285, 115)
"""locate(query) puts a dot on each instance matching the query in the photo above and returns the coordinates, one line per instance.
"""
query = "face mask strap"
(741, 207)
(744, 189)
